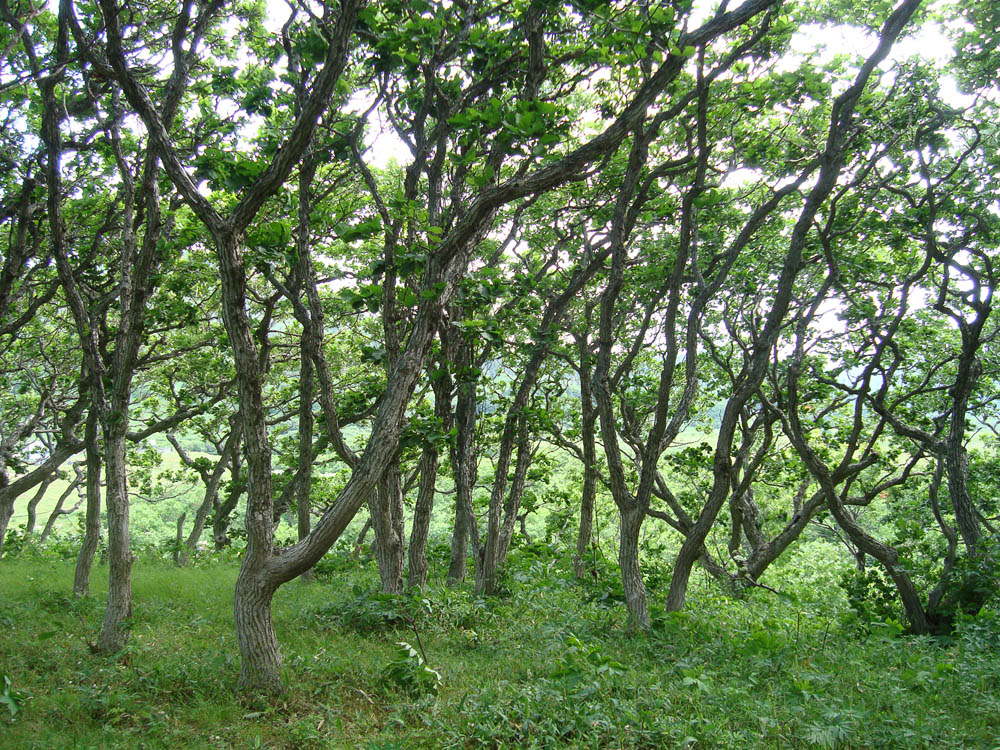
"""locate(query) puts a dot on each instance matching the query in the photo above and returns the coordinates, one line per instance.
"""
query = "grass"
(552, 664)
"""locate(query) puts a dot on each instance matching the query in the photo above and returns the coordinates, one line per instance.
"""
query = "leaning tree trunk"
(92, 529)
(303, 493)
(525, 454)
(429, 460)
(966, 516)
(832, 163)
(222, 516)
(29, 525)
(59, 510)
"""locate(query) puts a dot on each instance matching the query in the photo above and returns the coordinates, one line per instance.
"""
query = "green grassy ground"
(551, 664)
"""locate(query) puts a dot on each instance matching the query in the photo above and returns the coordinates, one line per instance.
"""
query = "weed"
(13, 699)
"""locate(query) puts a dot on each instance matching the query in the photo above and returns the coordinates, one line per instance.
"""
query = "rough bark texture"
(957, 459)
(386, 506)
(115, 630)
(464, 463)
(92, 528)
(628, 559)
(303, 510)
(417, 577)
(261, 663)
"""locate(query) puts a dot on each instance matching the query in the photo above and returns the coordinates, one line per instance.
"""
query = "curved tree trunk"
(59, 510)
(261, 658)
(303, 509)
(429, 461)
(525, 454)
(832, 162)
(966, 517)
(222, 514)
(212, 480)
(29, 524)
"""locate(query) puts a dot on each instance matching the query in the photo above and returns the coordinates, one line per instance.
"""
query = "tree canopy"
(738, 279)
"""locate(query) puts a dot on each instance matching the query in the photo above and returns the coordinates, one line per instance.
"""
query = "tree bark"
(261, 658)
(957, 459)
(386, 506)
(29, 524)
(92, 528)
(417, 578)
(464, 466)
(263, 570)
(588, 438)
(212, 480)
(222, 512)
(628, 560)
(115, 630)
(6, 513)
(60, 510)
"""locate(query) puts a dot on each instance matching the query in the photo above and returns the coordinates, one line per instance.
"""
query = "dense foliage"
(647, 289)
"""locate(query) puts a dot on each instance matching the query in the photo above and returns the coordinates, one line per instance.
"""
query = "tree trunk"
(464, 465)
(589, 446)
(302, 499)
(10, 491)
(491, 555)
(115, 630)
(258, 644)
(29, 525)
(6, 512)
(211, 480)
(303, 506)
(429, 460)
(628, 560)
(180, 550)
(525, 454)
(422, 519)
(59, 510)
(966, 517)
(223, 511)
(386, 506)
(92, 529)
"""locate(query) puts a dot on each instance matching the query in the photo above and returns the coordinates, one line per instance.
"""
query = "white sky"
(822, 41)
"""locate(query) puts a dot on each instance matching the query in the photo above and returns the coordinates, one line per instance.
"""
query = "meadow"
(551, 663)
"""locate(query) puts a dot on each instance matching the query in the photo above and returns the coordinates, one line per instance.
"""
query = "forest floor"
(550, 664)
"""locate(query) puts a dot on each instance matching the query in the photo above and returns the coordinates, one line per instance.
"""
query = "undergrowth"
(551, 664)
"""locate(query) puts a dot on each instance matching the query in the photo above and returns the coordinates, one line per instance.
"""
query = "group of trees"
(616, 220)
